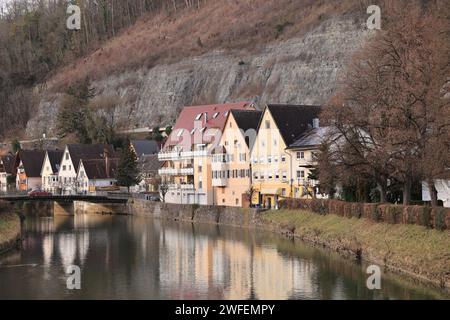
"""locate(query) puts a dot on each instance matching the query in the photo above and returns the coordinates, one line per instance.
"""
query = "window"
(179, 133)
(70, 167)
(267, 124)
(67, 156)
(269, 175)
(300, 155)
(283, 192)
(64, 168)
(275, 142)
(283, 158)
(284, 175)
(298, 173)
(199, 169)
(198, 116)
(200, 184)
(237, 201)
(215, 115)
(269, 159)
(192, 131)
(223, 200)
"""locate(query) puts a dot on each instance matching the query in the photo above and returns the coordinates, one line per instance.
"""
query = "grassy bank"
(9, 230)
(414, 250)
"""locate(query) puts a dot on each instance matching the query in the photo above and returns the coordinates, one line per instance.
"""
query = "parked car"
(39, 193)
(154, 198)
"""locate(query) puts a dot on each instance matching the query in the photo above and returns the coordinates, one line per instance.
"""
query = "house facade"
(50, 170)
(29, 165)
(70, 161)
(443, 191)
(186, 155)
(6, 164)
(96, 175)
(303, 152)
(271, 160)
(231, 168)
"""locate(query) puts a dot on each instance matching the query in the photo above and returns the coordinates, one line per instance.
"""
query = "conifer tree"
(127, 172)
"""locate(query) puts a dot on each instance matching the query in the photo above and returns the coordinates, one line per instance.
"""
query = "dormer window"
(225, 114)
(192, 131)
(180, 132)
(198, 116)
(215, 115)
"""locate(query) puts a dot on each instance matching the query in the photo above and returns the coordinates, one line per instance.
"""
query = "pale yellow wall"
(46, 173)
(235, 145)
(301, 164)
(269, 142)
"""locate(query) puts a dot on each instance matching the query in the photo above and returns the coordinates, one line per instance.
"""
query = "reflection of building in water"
(229, 269)
(275, 277)
(47, 249)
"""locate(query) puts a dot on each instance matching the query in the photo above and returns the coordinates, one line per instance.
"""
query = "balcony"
(171, 155)
(168, 172)
(176, 172)
(219, 182)
(183, 187)
(194, 154)
(187, 171)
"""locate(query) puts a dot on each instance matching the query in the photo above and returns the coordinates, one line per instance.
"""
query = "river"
(126, 257)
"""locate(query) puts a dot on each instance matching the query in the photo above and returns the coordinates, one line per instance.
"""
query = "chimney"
(106, 156)
(316, 123)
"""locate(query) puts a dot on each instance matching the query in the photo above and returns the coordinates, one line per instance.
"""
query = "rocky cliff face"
(298, 71)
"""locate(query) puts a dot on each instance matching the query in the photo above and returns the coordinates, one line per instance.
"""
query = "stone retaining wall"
(210, 214)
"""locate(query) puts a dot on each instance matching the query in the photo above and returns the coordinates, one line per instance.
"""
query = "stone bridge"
(67, 205)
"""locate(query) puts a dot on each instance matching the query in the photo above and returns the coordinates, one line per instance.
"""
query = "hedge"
(438, 217)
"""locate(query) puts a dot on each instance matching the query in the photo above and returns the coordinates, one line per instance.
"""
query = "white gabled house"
(70, 162)
(96, 175)
(443, 191)
(49, 171)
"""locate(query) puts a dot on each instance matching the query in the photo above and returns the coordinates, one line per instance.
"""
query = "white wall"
(67, 174)
(443, 189)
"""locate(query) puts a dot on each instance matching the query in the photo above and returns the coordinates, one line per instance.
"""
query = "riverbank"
(413, 250)
(9, 228)
(409, 249)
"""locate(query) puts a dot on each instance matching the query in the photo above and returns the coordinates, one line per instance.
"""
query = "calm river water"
(125, 257)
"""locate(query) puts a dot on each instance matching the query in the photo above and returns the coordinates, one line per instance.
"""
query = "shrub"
(356, 209)
(423, 216)
(439, 218)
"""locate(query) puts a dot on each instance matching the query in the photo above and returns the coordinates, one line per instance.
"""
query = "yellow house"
(272, 163)
(231, 168)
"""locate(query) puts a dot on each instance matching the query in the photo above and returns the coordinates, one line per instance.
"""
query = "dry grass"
(410, 248)
(227, 25)
(9, 227)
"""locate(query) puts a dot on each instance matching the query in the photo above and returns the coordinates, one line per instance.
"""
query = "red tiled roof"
(209, 117)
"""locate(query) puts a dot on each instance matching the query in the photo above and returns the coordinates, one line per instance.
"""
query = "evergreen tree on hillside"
(128, 173)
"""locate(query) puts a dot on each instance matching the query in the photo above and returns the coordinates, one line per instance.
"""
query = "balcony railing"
(181, 187)
(219, 182)
(168, 171)
(187, 171)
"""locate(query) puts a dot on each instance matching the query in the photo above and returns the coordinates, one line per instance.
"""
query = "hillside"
(269, 51)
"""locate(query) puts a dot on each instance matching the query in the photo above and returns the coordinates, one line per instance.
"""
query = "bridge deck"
(68, 198)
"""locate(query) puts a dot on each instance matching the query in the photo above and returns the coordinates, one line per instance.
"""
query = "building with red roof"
(186, 153)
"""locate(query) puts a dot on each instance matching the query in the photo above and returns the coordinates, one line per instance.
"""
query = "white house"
(49, 171)
(70, 162)
(95, 175)
(443, 191)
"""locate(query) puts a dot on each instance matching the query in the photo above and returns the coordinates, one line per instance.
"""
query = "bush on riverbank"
(409, 248)
(438, 218)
